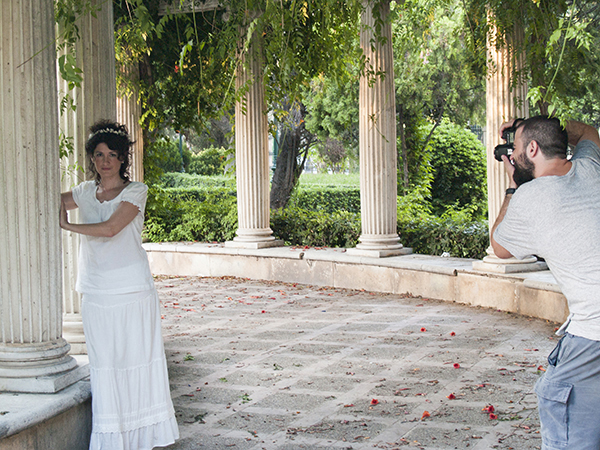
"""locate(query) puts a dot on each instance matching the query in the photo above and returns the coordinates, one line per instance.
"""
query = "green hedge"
(297, 226)
(215, 219)
(326, 198)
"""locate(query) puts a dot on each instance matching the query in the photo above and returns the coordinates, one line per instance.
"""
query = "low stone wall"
(57, 421)
(534, 294)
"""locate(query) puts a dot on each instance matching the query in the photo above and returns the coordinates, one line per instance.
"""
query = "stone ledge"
(19, 412)
(443, 278)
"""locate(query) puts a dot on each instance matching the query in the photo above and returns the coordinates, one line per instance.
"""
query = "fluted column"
(252, 155)
(505, 100)
(32, 350)
(129, 112)
(95, 100)
(377, 140)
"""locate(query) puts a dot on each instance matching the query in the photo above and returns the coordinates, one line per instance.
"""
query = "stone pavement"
(269, 365)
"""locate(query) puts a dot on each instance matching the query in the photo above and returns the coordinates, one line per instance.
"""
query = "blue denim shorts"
(569, 396)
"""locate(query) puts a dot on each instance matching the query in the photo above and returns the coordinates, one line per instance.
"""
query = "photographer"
(552, 209)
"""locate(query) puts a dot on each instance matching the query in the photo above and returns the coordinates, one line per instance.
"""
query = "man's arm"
(500, 251)
(578, 132)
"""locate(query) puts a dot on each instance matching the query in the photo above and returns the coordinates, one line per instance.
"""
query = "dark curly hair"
(116, 138)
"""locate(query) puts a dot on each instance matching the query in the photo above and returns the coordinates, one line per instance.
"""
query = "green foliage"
(558, 42)
(326, 198)
(459, 169)
(187, 180)
(333, 110)
(435, 236)
(212, 219)
(204, 209)
(168, 157)
(297, 226)
(210, 161)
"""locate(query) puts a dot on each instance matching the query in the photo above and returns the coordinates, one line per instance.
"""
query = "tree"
(187, 61)
(433, 77)
(294, 143)
(558, 42)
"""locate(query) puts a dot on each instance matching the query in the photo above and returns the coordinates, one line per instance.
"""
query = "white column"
(129, 112)
(95, 100)
(252, 155)
(504, 101)
(377, 140)
(33, 354)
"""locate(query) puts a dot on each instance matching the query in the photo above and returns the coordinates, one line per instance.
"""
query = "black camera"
(509, 136)
(506, 149)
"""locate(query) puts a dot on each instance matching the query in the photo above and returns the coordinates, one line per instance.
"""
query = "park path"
(269, 365)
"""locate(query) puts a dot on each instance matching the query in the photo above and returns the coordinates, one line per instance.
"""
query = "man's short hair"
(548, 133)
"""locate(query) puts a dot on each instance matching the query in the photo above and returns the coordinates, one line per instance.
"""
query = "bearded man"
(552, 210)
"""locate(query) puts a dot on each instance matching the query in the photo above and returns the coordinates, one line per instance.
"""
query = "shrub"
(326, 198)
(166, 156)
(297, 226)
(210, 161)
(186, 218)
(205, 209)
(459, 169)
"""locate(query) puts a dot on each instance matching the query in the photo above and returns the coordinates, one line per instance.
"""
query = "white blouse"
(114, 265)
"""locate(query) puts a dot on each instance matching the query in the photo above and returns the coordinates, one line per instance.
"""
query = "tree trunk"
(294, 143)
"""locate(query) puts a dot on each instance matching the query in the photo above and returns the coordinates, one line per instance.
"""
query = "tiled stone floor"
(264, 365)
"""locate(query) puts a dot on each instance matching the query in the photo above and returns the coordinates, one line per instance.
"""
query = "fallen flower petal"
(374, 401)
(452, 333)
(456, 366)
(541, 368)
(423, 329)
(349, 406)
(489, 409)
(425, 415)
(493, 416)
(451, 396)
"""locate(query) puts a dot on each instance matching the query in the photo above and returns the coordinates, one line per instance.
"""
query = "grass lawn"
(327, 179)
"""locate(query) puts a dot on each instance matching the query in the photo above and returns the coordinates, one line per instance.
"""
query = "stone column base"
(47, 384)
(254, 238)
(378, 253)
(494, 264)
(253, 244)
(73, 333)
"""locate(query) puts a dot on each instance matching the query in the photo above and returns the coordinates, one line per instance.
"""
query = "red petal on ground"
(452, 333)
(425, 415)
(374, 401)
(451, 396)
(493, 416)
(423, 329)
(541, 369)
(456, 366)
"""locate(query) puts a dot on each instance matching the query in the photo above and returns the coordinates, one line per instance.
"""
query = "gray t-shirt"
(558, 219)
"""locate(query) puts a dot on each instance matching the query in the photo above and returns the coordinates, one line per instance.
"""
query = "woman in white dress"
(131, 402)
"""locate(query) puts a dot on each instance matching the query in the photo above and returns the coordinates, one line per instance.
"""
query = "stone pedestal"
(505, 100)
(32, 350)
(377, 141)
(252, 155)
(95, 100)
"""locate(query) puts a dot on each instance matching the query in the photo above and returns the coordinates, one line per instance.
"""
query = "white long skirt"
(131, 401)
